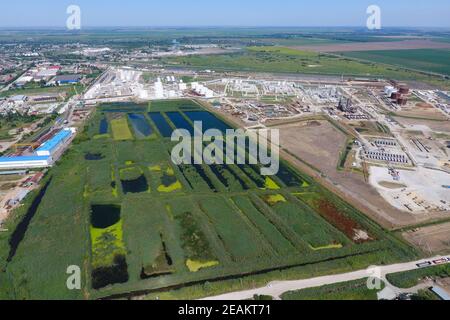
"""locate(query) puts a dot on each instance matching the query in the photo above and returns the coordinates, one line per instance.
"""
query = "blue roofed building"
(44, 156)
(67, 79)
(50, 146)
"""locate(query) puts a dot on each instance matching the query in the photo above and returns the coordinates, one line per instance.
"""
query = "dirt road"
(276, 289)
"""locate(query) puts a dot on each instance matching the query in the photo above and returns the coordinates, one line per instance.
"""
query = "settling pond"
(104, 216)
(140, 125)
(163, 127)
(135, 186)
(103, 126)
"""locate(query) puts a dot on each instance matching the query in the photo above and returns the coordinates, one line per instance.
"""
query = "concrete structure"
(20, 196)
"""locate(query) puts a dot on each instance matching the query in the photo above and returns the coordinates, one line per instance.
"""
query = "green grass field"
(352, 290)
(14, 122)
(69, 90)
(431, 60)
(121, 130)
(285, 60)
(211, 235)
(410, 279)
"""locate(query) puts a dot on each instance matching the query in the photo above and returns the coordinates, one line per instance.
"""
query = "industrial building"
(397, 94)
(45, 74)
(13, 172)
(19, 99)
(49, 147)
(356, 116)
(441, 293)
(385, 143)
(45, 98)
(25, 162)
(67, 79)
(383, 156)
(202, 90)
(346, 105)
(43, 156)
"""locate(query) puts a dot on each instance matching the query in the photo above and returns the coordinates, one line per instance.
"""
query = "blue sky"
(52, 13)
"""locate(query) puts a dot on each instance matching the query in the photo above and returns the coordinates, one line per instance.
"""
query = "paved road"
(277, 288)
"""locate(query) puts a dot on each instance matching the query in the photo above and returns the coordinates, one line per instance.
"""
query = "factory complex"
(44, 156)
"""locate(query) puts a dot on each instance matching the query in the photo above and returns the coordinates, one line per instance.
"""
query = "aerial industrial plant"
(225, 163)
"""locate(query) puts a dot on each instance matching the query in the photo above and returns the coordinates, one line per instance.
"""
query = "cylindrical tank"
(404, 90)
(402, 101)
(396, 95)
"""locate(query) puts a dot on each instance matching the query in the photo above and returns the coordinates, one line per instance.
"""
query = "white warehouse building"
(25, 162)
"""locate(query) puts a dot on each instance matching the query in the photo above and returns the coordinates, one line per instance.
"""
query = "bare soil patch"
(424, 105)
(432, 240)
(348, 226)
(7, 186)
(316, 142)
(391, 185)
(422, 110)
(439, 126)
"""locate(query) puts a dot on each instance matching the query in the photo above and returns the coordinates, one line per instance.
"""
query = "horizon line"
(226, 26)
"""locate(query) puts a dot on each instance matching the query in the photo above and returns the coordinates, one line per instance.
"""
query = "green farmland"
(352, 290)
(410, 279)
(286, 60)
(430, 60)
(138, 225)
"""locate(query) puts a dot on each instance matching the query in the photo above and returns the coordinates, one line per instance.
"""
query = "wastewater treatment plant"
(141, 227)
(214, 160)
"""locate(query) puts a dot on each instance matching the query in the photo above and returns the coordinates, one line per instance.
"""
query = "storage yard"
(418, 191)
